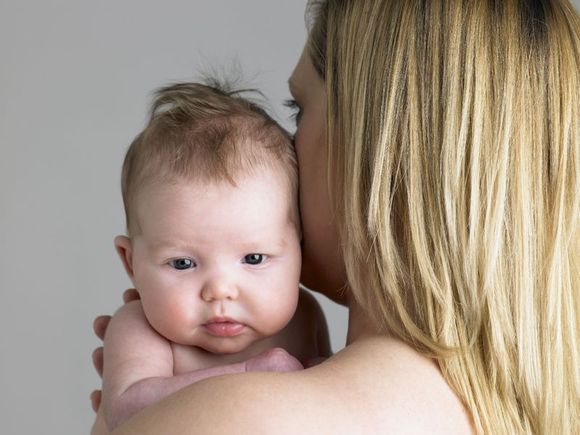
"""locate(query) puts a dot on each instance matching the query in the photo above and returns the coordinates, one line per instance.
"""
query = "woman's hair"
(205, 133)
(453, 141)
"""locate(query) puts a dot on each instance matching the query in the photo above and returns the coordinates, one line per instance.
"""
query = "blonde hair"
(453, 143)
(205, 133)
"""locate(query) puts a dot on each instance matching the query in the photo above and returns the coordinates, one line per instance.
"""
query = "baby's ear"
(125, 251)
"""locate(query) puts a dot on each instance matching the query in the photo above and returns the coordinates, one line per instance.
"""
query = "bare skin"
(165, 367)
(176, 334)
(376, 384)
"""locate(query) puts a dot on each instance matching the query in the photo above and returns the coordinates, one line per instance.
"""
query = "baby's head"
(210, 195)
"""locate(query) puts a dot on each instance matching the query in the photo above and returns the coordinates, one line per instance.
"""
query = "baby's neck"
(190, 358)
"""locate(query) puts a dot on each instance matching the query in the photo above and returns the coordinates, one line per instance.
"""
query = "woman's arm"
(246, 404)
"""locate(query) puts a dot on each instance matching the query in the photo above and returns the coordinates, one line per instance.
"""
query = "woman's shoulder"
(398, 389)
(375, 385)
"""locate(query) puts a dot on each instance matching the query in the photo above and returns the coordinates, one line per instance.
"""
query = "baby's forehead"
(244, 241)
(217, 215)
(264, 189)
(267, 175)
(258, 201)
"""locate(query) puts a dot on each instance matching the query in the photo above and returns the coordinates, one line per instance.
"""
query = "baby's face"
(217, 266)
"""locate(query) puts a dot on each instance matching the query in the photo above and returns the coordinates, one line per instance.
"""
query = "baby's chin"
(225, 346)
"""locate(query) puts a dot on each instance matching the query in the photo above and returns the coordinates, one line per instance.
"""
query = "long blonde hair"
(453, 139)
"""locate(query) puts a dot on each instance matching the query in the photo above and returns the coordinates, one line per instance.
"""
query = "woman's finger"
(96, 400)
(98, 360)
(130, 295)
(100, 325)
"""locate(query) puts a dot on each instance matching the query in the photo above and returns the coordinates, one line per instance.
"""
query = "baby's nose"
(219, 289)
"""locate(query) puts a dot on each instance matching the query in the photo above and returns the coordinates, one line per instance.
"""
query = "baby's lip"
(223, 327)
(221, 319)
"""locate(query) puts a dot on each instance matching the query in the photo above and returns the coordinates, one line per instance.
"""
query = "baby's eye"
(254, 259)
(182, 263)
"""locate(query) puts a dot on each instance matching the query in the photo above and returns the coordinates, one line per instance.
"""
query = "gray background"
(75, 81)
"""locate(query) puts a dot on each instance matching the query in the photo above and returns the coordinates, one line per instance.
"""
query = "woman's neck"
(360, 324)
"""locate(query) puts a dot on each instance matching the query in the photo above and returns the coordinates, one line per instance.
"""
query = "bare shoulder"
(128, 320)
(130, 329)
(130, 311)
(127, 325)
(133, 350)
(398, 388)
(372, 386)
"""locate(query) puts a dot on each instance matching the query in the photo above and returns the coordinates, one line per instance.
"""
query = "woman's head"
(453, 155)
(322, 266)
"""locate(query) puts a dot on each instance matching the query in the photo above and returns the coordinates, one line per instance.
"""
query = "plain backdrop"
(75, 81)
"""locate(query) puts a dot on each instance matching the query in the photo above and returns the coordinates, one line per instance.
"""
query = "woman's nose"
(219, 289)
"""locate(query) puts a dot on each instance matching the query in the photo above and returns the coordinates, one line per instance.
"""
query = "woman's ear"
(125, 251)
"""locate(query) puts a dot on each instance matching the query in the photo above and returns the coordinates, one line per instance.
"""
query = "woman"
(438, 147)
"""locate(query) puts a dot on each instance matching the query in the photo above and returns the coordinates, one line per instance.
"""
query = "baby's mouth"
(223, 327)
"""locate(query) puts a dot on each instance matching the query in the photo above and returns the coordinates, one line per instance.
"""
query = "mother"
(438, 146)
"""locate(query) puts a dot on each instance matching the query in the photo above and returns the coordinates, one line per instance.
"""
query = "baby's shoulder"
(130, 313)
(129, 327)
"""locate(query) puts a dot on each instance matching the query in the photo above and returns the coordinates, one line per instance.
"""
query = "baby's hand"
(273, 360)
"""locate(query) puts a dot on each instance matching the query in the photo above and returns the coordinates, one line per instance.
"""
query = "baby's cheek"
(279, 310)
(166, 314)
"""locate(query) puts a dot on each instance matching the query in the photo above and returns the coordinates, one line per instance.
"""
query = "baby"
(213, 248)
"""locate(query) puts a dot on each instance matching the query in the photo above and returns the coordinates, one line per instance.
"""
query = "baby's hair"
(206, 133)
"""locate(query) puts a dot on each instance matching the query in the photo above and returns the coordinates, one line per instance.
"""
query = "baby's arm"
(138, 366)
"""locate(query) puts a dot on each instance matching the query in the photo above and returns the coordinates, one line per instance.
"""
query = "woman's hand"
(100, 327)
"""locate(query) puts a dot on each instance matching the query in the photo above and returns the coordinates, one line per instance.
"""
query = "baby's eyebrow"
(245, 245)
(255, 245)
(166, 244)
